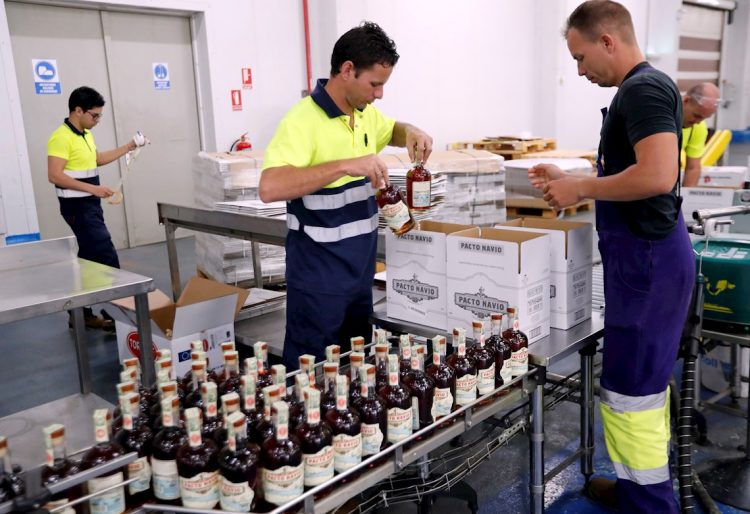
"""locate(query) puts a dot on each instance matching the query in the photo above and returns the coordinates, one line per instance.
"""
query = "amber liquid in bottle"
(372, 414)
(249, 400)
(136, 437)
(395, 210)
(167, 390)
(397, 400)
(296, 406)
(198, 466)
(113, 501)
(381, 366)
(466, 375)
(171, 437)
(356, 360)
(328, 401)
(283, 468)
(316, 441)
(444, 378)
(264, 373)
(484, 361)
(345, 426)
(238, 467)
(263, 429)
(229, 381)
(422, 390)
(197, 376)
(58, 467)
(418, 183)
(519, 345)
(497, 345)
(197, 355)
(211, 421)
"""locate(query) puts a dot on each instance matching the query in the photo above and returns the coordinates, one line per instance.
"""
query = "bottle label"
(318, 466)
(372, 439)
(396, 215)
(200, 491)
(486, 380)
(466, 389)
(347, 451)
(414, 413)
(54, 504)
(399, 424)
(442, 402)
(141, 470)
(420, 194)
(111, 502)
(283, 484)
(166, 480)
(506, 372)
(235, 497)
(519, 362)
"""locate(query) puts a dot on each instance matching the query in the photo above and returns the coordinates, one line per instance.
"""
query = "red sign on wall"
(236, 99)
(247, 78)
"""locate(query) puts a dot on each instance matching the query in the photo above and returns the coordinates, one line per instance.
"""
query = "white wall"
(736, 87)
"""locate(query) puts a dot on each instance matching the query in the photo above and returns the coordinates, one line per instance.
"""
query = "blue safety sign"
(46, 76)
(161, 75)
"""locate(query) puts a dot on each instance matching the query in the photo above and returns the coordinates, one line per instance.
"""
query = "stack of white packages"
(517, 183)
(229, 181)
(468, 186)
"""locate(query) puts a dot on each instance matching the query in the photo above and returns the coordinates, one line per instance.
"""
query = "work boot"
(93, 321)
(602, 491)
(109, 321)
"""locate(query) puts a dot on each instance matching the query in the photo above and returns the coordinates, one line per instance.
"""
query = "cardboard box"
(571, 260)
(205, 310)
(416, 282)
(490, 270)
(696, 198)
(724, 176)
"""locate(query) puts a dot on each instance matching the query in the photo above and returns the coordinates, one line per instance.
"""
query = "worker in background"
(649, 268)
(73, 167)
(323, 161)
(700, 102)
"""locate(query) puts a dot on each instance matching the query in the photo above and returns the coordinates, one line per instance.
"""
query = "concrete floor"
(38, 365)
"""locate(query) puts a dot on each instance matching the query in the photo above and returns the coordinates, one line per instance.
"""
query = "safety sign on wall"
(236, 99)
(46, 76)
(161, 75)
(247, 78)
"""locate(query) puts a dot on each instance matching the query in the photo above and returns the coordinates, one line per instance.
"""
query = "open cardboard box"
(205, 311)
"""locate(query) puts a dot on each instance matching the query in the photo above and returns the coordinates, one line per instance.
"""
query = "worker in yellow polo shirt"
(323, 161)
(73, 167)
(700, 102)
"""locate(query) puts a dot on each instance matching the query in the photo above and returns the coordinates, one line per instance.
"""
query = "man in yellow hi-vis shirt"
(72, 166)
(700, 102)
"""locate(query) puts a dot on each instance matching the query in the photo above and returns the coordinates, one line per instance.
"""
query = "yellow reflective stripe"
(639, 439)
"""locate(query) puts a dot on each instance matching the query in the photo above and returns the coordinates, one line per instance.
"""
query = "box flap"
(201, 289)
(164, 318)
(202, 315)
(548, 224)
(441, 226)
(156, 300)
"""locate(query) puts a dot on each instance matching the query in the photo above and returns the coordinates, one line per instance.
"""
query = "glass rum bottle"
(345, 425)
(57, 466)
(238, 467)
(105, 450)
(283, 468)
(397, 400)
(316, 441)
(171, 437)
(198, 466)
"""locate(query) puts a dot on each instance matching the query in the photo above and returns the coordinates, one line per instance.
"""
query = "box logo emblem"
(132, 341)
(479, 303)
(415, 290)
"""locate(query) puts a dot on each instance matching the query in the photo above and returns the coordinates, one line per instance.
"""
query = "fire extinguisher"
(241, 144)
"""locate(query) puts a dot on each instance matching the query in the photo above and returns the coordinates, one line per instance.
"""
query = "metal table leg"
(82, 351)
(587, 411)
(536, 442)
(144, 340)
(736, 372)
(257, 271)
(174, 265)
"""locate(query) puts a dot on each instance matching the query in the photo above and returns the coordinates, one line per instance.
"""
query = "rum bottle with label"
(211, 420)
(372, 414)
(316, 441)
(404, 350)
(345, 425)
(381, 366)
(113, 501)
(296, 406)
(418, 184)
(167, 441)
(264, 373)
(57, 467)
(422, 389)
(356, 360)
(397, 400)
(197, 377)
(238, 467)
(136, 437)
(496, 344)
(262, 430)
(444, 377)
(230, 403)
(146, 396)
(466, 374)
(249, 399)
(394, 209)
(198, 466)
(328, 401)
(229, 381)
(307, 365)
(283, 468)
(11, 484)
(519, 345)
(484, 361)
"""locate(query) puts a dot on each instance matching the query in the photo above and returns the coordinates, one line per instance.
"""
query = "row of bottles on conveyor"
(242, 441)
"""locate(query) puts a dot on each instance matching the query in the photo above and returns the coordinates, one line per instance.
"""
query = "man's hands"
(560, 189)
(102, 191)
(418, 144)
(370, 166)
(138, 140)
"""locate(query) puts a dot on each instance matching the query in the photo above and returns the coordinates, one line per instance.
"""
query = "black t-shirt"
(647, 103)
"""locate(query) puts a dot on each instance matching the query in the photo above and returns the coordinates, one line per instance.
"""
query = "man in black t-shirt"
(648, 261)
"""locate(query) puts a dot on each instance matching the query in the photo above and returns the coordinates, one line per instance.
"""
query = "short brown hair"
(596, 17)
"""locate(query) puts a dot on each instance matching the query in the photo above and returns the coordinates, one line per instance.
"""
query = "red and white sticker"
(236, 99)
(135, 349)
(247, 78)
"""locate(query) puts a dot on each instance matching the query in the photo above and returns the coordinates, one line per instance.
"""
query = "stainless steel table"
(581, 339)
(46, 277)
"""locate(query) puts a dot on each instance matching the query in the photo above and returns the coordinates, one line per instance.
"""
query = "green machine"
(726, 266)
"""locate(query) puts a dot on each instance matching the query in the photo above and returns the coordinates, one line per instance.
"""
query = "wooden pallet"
(519, 211)
(508, 147)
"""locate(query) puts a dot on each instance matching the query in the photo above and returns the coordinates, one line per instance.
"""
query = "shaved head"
(596, 17)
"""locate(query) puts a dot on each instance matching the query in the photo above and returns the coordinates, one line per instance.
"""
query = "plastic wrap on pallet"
(517, 183)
